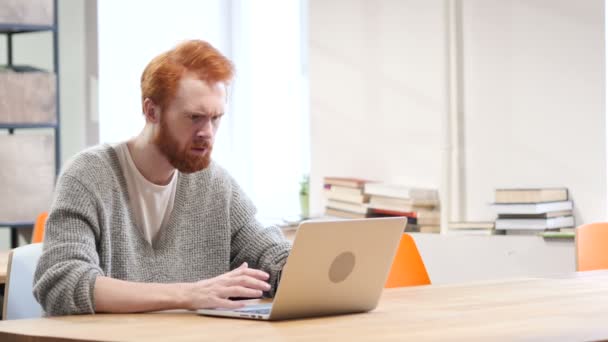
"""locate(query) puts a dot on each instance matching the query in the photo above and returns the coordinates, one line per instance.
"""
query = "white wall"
(376, 91)
(535, 100)
(534, 112)
(533, 96)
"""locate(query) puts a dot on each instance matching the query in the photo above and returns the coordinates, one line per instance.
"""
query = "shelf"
(17, 224)
(21, 28)
(21, 68)
(27, 125)
(45, 119)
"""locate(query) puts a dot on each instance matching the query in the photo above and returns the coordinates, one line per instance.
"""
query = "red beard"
(185, 160)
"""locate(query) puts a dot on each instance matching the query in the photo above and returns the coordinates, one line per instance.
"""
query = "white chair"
(19, 301)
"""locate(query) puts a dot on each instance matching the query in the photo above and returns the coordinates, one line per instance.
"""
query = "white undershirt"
(151, 204)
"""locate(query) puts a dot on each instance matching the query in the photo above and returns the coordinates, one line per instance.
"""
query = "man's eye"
(216, 118)
(195, 117)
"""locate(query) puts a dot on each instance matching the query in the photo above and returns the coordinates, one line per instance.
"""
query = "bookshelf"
(13, 121)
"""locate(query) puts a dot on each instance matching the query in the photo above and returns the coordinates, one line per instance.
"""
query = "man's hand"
(120, 296)
(242, 282)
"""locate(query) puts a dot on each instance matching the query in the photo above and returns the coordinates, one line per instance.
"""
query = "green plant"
(304, 192)
(304, 185)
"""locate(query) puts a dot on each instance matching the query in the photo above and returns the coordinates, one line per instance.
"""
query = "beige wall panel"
(27, 97)
(27, 175)
(31, 12)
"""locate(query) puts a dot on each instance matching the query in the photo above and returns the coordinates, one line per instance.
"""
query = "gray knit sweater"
(91, 231)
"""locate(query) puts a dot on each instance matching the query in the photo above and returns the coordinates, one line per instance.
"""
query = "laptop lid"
(337, 267)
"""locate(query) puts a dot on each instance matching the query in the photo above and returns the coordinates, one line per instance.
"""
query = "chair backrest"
(19, 301)
(38, 234)
(592, 246)
(408, 268)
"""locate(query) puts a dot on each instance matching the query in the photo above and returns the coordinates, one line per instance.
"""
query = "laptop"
(335, 267)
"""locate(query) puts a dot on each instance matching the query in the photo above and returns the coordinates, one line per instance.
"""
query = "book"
(539, 224)
(479, 225)
(430, 229)
(346, 182)
(526, 232)
(531, 195)
(346, 197)
(542, 215)
(400, 208)
(411, 217)
(343, 190)
(402, 202)
(383, 212)
(418, 214)
(423, 217)
(343, 214)
(417, 228)
(428, 221)
(547, 234)
(401, 191)
(393, 208)
(475, 232)
(531, 208)
(345, 206)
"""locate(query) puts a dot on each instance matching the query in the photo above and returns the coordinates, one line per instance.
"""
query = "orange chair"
(38, 234)
(408, 268)
(592, 246)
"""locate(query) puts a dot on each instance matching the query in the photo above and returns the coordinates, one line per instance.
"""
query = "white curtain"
(263, 139)
(133, 32)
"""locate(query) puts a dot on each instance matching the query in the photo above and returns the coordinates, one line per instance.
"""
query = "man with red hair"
(153, 223)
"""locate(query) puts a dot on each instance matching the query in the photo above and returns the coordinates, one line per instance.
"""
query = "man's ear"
(151, 111)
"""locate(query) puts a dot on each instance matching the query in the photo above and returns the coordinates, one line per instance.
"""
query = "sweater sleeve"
(65, 276)
(263, 248)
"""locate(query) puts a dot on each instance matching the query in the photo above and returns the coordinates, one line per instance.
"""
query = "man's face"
(188, 125)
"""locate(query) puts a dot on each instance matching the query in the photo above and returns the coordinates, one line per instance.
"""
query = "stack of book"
(419, 205)
(534, 211)
(472, 228)
(345, 197)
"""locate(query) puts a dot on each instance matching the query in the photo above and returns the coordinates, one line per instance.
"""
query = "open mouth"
(199, 150)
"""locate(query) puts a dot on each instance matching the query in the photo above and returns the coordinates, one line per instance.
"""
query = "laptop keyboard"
(262, 309)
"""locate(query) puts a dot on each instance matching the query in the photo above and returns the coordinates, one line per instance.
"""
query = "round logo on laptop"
(342, 267)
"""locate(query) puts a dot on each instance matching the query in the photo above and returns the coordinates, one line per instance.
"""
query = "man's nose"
(206, 130)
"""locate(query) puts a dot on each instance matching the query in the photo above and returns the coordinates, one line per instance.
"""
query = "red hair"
(160, 78)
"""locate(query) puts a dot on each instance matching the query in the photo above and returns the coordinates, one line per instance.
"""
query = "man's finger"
(227, 304)
(252, 272)
(239, 270)
(249, 282)
(241, 291)
(253, 283)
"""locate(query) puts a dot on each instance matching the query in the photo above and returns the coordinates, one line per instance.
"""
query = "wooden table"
(565, 307)
(3, 266)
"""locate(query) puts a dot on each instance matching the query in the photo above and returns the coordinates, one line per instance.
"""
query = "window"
(263, 140)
